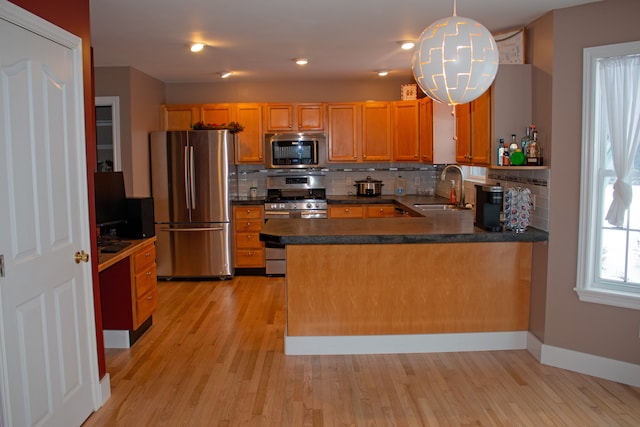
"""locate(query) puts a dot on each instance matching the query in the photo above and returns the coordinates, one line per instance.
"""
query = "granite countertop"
(353, 199)
(437, 227)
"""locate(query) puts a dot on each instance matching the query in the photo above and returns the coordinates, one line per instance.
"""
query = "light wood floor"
(214, 357)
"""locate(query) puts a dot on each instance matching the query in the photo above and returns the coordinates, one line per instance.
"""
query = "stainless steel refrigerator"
(190, 189)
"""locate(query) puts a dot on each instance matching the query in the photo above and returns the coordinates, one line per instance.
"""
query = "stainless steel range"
(292, 196)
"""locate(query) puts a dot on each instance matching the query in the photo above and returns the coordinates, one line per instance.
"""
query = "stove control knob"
(309, 205)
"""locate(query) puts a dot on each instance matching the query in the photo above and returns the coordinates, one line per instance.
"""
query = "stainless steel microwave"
(295, 150)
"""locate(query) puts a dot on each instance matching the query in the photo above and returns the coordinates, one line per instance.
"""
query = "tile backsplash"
(340, 180)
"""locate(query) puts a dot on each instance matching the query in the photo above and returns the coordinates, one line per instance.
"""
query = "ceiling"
(258, 39)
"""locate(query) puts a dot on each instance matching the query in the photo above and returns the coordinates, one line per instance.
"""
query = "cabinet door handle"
(149, 298)
(148, 273)
(148, 254)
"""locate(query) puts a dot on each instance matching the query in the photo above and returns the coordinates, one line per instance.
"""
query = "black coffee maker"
(488, 207)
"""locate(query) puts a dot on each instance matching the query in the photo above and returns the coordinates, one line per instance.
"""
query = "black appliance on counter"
(488, 207)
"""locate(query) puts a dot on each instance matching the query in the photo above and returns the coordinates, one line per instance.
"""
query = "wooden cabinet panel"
(248, 212)
(144, 285)
(216, 114)
(249, 142)
(249, 250)
(346, 211)
(381, 211)
(250, 258)
(294, 117)
(146, 305)
(481, 134)
(376, 132)
(279, 117)
(146, 280)
(474, 130)
(179, 117)
(343, 121)
(248, 241)
(406, 120)
(463, 133)
(310, 117)
(426, 130)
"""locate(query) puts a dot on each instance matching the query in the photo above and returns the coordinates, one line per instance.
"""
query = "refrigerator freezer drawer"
(192, 251)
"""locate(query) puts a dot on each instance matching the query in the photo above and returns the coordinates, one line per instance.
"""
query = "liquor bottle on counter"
(506, 159)
(533, 151)
(525, 139)
(501, 148)
(514, 144)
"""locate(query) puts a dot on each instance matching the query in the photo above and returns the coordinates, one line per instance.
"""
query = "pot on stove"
(369, 187)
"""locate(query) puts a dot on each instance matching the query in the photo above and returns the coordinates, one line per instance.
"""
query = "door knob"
(81, 256)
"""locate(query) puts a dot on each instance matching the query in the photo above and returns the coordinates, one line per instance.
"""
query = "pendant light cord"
(454, 8)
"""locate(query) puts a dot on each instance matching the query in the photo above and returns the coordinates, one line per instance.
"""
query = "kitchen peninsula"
(405, 284)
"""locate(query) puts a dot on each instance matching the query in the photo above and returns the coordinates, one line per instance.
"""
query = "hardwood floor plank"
(214, 357)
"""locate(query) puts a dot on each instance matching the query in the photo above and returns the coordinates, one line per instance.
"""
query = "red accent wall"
(73, 16)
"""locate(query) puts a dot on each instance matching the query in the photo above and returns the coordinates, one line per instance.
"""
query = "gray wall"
(140, 99)
(557, 42)
(378, 89)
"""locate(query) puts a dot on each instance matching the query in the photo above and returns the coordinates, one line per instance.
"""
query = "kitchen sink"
(433, 207)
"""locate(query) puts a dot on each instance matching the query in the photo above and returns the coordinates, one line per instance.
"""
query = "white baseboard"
(116, 339)
(422, 343)
(597, 366)
(584, 363)
(105, 389)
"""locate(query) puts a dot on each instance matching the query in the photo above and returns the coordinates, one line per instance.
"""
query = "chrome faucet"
(443, 176)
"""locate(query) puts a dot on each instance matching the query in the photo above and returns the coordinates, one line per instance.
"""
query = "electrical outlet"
(533, 202)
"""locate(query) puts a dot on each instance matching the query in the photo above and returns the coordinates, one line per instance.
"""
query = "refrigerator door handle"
(186, 178)
(174, 230)
(192, 178)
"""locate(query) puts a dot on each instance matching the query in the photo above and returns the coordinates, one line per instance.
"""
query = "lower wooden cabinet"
(346, 211)
(249, 250)
(128, 286)
(145, 283)
(381, 211)
(362, 211)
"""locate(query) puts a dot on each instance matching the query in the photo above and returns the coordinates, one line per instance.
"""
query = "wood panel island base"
(460, 293)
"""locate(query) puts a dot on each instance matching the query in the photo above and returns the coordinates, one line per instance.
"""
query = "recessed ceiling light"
(383, 73)
(196, 47)
(225, 74)
(302, 61)
(407, 44)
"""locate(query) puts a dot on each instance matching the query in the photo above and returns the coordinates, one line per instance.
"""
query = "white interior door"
(48, 351)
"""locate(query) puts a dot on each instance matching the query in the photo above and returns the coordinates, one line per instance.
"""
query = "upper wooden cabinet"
(474, 130)
(217, 114)
(425, 133)
(183, 117)
(179, 117)
(249, 142)
(376, 132)
(503, 110)
(294, 117)
(406, 128)
(343, 126)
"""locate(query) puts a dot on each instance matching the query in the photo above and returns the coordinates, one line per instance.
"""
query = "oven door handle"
(276, 214)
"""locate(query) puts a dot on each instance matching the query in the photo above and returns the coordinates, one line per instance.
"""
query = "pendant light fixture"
(456, 60)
